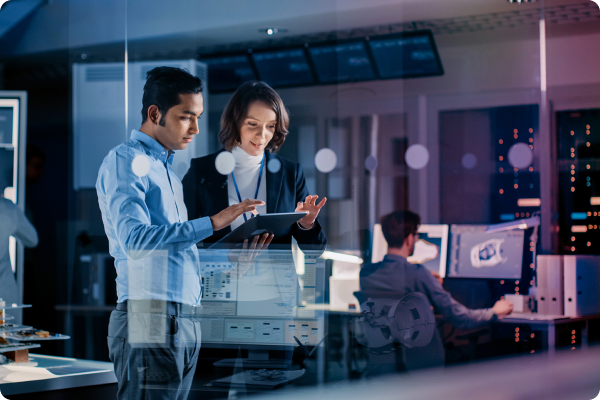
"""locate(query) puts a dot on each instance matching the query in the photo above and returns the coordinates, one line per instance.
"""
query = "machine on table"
(15, 340)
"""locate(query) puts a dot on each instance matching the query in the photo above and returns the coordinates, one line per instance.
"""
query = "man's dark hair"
(163, 87)
(398, 225)
(34, 151)
(237, 109)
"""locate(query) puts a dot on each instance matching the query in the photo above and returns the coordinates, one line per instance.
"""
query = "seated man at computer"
(395, 277)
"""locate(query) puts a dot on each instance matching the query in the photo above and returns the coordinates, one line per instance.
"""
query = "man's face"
(178, 127)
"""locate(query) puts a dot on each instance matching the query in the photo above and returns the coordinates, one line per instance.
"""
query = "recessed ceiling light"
(522, 1)
(273, 31)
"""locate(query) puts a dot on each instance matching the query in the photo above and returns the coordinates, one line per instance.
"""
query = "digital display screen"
(226, 74)
(7, 160)
(6, 125)
(283, 67)
(411, 55)
(477, 254)
(431, 248)
(257, 303)
(341, 62)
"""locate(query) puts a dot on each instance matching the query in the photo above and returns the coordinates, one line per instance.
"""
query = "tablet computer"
(276, 224)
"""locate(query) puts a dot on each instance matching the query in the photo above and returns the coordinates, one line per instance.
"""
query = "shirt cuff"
(304, 229)
(492, 317)
(202, 227)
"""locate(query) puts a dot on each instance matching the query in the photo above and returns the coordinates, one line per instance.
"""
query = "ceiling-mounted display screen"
(226, 74)
(407, 55)
(283, 67)
(342, 62)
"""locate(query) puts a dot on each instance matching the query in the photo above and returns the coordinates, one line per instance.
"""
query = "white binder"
(550, 284)
(581, 283)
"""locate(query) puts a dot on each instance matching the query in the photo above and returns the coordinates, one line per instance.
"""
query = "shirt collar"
(393, 258)
(154, 148)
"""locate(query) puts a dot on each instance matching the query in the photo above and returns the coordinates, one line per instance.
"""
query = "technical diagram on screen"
(257, 304)
(431, 248)
(477, 254)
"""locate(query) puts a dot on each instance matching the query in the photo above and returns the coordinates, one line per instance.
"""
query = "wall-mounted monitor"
(342, 62)
(406, 55)
(475, 253)
(227, 73)
(288, 67)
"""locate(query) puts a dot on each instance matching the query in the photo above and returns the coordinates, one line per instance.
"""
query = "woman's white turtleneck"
(246, 172)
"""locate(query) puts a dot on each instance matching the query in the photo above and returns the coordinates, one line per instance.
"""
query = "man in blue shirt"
(154, 334)
(394, 277)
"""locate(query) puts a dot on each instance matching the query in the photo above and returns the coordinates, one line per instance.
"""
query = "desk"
(329, 309)
(51, 374)
(548, 324)
(571, 375)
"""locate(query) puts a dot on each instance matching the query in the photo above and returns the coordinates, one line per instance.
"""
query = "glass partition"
(453, 146)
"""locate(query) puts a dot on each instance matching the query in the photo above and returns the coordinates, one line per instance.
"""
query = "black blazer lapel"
(217, 196)
(274, 182)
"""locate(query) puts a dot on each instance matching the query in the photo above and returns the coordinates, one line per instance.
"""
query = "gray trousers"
(154, 355)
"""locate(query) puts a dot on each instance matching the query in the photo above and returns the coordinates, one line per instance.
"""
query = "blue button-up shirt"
(145, 219)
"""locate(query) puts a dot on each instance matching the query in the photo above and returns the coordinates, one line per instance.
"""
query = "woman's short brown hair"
(237, 109)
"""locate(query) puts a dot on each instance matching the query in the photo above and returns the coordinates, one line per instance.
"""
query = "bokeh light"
(141, 165)
(417, 156)
(520, 156)
(225, 163)
(325, 160)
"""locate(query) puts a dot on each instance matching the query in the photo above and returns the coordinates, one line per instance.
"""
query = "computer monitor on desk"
(475, 253)
(258, 310)
(431, 248)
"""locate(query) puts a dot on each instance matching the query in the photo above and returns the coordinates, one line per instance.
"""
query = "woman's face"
(257, 128)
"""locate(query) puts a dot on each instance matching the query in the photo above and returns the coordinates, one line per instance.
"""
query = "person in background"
(254, 126)
(13, 222)
(395, 277)
(154, 333)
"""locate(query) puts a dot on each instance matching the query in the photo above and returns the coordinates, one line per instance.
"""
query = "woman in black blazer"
(253, 126)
